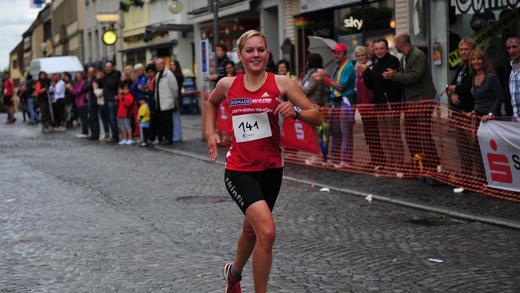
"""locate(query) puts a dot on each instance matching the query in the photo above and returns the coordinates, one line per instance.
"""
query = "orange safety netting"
(401, 140)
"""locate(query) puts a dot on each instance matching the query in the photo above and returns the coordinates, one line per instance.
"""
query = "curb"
(443, 211)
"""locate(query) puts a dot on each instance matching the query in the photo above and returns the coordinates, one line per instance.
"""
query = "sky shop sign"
(352, 22)
(474, 6)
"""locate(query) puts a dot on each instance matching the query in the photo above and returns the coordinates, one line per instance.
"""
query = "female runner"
(255, 159)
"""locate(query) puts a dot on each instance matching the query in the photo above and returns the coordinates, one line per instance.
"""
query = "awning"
(151, 45)
(168, 27)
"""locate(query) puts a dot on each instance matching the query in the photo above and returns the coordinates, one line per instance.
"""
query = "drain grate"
(204, 199)
(433, 222)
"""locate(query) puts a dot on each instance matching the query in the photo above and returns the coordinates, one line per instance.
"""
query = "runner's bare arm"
(211, 105)
(292, 90)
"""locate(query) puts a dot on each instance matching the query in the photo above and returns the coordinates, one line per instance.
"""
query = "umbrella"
(322, 46)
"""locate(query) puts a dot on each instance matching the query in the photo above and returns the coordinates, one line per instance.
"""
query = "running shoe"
(123, 142)
(81, 135)
(130, 142)
(232, 284)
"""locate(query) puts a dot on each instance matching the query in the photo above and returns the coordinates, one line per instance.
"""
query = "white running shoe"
(123, 142)
(130, 142)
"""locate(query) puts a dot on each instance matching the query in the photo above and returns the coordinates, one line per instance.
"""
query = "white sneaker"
(81, 135)
(130, 142)
(123, 142)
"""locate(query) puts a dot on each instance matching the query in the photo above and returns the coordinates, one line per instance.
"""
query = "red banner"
(299, 136)
(224, 123)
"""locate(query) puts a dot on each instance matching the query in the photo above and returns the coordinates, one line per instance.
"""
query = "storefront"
(351, 24)
(488, 23)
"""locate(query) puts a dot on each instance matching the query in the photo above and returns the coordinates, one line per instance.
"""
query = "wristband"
(327, 80)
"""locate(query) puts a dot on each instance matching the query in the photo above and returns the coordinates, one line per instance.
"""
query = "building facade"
(95, 51)
(67, 27)
(16, 66)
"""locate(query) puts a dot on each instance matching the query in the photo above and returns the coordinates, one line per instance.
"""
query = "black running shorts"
(247, 188)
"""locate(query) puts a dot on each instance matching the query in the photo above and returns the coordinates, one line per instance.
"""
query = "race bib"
(250, 127)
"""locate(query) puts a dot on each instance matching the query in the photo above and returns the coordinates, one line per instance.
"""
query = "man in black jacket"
(388, 98)
(463, 104)
(110, 90)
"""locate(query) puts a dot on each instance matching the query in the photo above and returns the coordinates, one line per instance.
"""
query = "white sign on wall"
(474, 6)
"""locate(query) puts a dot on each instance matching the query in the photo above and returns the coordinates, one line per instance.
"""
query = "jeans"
(341, 118)
(112, 119)
(177, 127)
(32, 112)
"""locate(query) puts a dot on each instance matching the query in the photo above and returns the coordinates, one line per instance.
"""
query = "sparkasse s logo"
(499, 167)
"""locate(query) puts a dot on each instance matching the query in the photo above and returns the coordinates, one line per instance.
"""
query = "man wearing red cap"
(342, 100)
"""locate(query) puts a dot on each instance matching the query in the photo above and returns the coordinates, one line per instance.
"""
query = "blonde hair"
(248, 35)
(487, 67)
(468, 42)
(361, 49)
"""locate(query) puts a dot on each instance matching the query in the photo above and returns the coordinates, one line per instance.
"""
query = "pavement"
(83, 216)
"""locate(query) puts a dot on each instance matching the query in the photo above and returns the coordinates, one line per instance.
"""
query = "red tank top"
(255, 144)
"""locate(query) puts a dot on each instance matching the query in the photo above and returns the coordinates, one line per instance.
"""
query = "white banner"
(476, 6)
(500, 147)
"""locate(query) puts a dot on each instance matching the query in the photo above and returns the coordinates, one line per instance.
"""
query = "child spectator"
(125, 102)
(144, 121)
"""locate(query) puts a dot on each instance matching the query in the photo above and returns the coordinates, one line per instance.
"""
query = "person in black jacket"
(388, 99)
(462, 102)
(92, 106)
(110, 91)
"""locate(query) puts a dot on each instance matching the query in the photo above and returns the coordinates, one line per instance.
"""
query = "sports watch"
(297, 111)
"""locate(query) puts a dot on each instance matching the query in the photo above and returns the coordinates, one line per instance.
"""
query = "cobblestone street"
(83, 216)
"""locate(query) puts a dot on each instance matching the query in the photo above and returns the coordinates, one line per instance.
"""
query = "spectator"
(24, 97)
(239, 67)
(42, 91)
(513, 49)
(125, 102)
(314, 88)
(69, 107)
(92, 105)
(177, 126)
(137, 92)
(31, 100)
(111, 82)
(365, 104)
(144, 121)
(230, 69)
(461, 100)
(419, 92)
(220, 51)
(79, 92)
(342, 100)
(486, 89)
(166, 95)
(57, 92)
(371, 47)
(8, 91)
(312, 84)
(283, 68)
(155, 114)
(128, 75)
(387, 100)
(102, 108)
